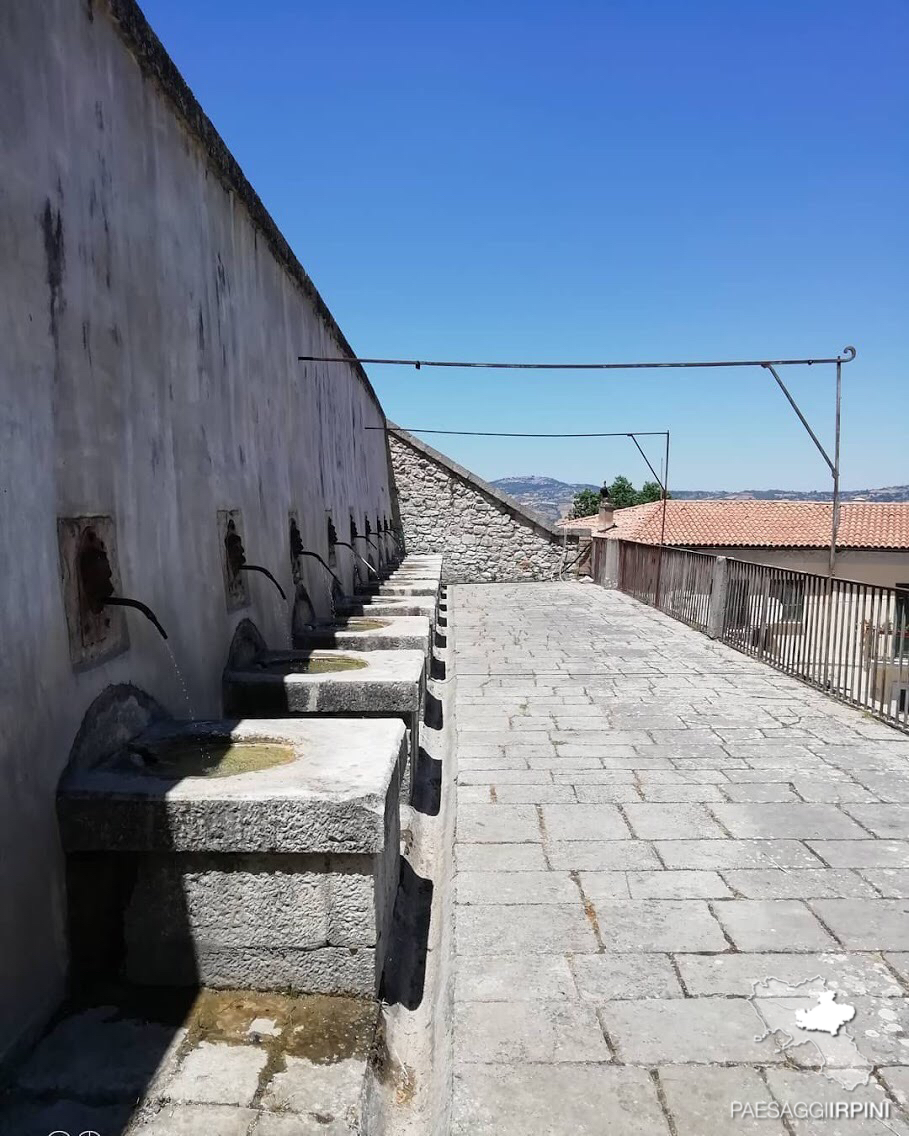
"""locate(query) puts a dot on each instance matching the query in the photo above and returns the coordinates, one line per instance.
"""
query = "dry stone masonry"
(485, 535)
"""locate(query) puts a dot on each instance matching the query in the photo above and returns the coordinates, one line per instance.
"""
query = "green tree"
(622, 493)
(585, 504)
(650, 491)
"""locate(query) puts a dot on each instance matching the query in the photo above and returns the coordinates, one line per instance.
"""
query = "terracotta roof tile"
(761, 524)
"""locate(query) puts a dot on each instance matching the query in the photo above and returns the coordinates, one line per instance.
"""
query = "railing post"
(611, 568)
(718, 590)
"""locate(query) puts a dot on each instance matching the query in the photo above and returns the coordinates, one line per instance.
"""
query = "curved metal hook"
(265, 572)
(851, 355)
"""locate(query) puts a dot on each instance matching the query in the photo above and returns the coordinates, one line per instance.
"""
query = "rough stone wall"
(151, 316)
(484, 535)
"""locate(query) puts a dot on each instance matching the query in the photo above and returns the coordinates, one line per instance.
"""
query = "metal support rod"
(665, 485)
(836, 469)
(419, 363)
(802, 418)
(657, 477)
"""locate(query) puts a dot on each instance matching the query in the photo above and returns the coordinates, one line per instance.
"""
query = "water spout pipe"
(316, 556)
(358, 556)
(122, 601)
(264, 572)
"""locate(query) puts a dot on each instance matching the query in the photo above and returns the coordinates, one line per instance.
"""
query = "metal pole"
(836, 469)
(659, 570)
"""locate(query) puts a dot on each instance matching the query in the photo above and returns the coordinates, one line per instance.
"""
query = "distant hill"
(553, 498)
(546, 495)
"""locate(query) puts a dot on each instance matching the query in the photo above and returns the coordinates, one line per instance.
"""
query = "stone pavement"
(667, 852)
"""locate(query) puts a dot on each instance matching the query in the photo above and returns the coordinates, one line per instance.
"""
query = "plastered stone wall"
(484, 535)
(151, 316)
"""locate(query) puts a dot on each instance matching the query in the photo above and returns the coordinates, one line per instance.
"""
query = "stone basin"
(281, 877)
(378, 684)
(419, 586)
(395, 633)
(371, 606)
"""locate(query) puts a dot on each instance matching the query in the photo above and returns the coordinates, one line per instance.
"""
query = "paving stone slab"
(195, 1120)
(721, 854)
(620, 793)
(772, 925)
(98, 1055)
(584, 822)
(515, 887)
(885, 821)
(498, 824)
(736, 974)
(523, 929)
(554, 1100)
(604, 977)
(798, 822)
(798, 883)
(792, 1087)
(217, 1073)
(670, 884)
(521, 1031)
(500, 857)
(601, 855)
(330, 1090)
(892, 883)
(664, 822)
(508, 979)
(862, 853)
(658, 925)
(701, 1101)
(867, 924)
(696, 1031)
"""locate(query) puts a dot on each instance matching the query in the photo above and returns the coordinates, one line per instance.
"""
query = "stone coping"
(331, 798)
(390, 682)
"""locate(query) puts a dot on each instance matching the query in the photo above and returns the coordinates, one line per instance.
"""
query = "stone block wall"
(484, 535)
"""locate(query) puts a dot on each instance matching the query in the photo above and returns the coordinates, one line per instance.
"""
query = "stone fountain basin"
(378, 606)
(331, 796)
(416, 587)
(283, 878)
(396, 633)
(382, 682)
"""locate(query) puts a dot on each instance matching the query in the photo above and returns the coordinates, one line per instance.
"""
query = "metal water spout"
(344, 544)
(96, 578)
(236, 559)
(316, 556)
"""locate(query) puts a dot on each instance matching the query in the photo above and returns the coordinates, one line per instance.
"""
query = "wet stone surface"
(165, 1064)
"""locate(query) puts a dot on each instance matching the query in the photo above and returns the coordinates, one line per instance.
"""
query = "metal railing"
(675, 580)
(848, 639)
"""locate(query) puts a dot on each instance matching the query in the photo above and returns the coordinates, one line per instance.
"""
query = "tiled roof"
(761, 524)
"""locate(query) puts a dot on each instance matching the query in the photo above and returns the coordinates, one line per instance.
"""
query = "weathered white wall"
(484, 535)
(886, 567)
(151, 317)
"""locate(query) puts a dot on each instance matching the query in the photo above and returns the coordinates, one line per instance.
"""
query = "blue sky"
(591, 180)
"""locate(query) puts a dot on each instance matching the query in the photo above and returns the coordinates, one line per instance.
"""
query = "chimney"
(605, 519)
